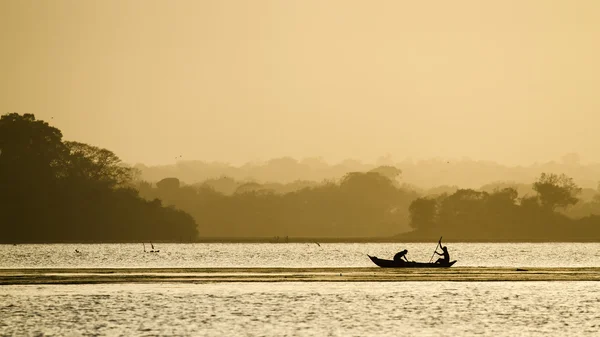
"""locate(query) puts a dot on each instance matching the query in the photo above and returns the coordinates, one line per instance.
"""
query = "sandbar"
(213, 275)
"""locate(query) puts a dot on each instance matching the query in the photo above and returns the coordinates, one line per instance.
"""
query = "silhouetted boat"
(403, 264)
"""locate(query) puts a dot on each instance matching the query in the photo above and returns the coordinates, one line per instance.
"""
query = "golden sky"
(509, 81)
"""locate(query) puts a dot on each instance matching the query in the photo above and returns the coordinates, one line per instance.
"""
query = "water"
(304, 309)
(292, 255)
(299, 308)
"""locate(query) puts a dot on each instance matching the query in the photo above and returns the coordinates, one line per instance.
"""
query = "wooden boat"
(402, 264)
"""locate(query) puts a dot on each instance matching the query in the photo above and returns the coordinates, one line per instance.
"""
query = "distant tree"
(371, 185)
(168, 184)
(503, 197)
(390, 172)
(97, 164)
(250, 187)
(521, 188)
(223, 184)
(145, 189)
(369, 197)
(295, 186)
(463, 209)
(530, 202)
(423, 212)
(31, 149)
(500, 206)
(556, 191)
(440, 190)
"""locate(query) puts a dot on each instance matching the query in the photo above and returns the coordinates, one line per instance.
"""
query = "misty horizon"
(431, 173)
(571, 158)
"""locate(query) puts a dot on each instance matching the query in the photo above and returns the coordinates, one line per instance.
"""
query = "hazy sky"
(510, 81)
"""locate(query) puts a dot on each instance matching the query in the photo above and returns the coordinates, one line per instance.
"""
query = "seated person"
(400, 255)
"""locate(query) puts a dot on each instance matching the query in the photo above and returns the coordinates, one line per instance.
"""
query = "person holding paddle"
(436, 247)
(446, 256)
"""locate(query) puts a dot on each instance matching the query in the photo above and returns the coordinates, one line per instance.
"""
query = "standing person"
(446, 256)
(400, 255)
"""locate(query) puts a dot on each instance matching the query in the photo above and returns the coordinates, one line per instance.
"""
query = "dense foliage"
(362, 204)
(371, 204)
(57, 191)
(500, 215)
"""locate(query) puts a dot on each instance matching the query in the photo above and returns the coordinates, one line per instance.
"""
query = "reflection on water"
(292, 255)
(305, 309)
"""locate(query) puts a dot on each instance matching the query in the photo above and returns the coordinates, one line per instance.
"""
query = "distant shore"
(394, 239)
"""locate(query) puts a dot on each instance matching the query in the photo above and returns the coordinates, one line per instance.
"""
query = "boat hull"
(395, 264)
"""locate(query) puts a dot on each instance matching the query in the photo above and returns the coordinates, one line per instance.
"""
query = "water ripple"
(291, 255)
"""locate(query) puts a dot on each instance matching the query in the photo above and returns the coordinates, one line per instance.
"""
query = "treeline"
(470, 215)
(58, 191)
(53, 190)
(374, 204)
(422, 174)
(361, 204)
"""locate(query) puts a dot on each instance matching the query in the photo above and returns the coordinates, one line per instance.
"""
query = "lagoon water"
(292, 255)
(304, 309)
(570, 308)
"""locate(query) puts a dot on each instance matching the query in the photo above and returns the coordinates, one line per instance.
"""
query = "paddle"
(436, 247)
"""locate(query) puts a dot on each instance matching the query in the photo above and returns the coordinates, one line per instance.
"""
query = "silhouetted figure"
(153, 250)
(446, 257)
(401, 255)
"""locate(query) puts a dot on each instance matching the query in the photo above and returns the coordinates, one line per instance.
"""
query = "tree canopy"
(500, 214)
(556, 191)
(56, 191)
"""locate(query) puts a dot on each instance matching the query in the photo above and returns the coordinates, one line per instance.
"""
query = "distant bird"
(76, 251)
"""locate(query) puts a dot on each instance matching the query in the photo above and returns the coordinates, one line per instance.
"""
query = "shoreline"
(317, 240)
(63, 276)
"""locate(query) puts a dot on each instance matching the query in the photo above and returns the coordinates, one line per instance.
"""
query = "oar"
(436, 247)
